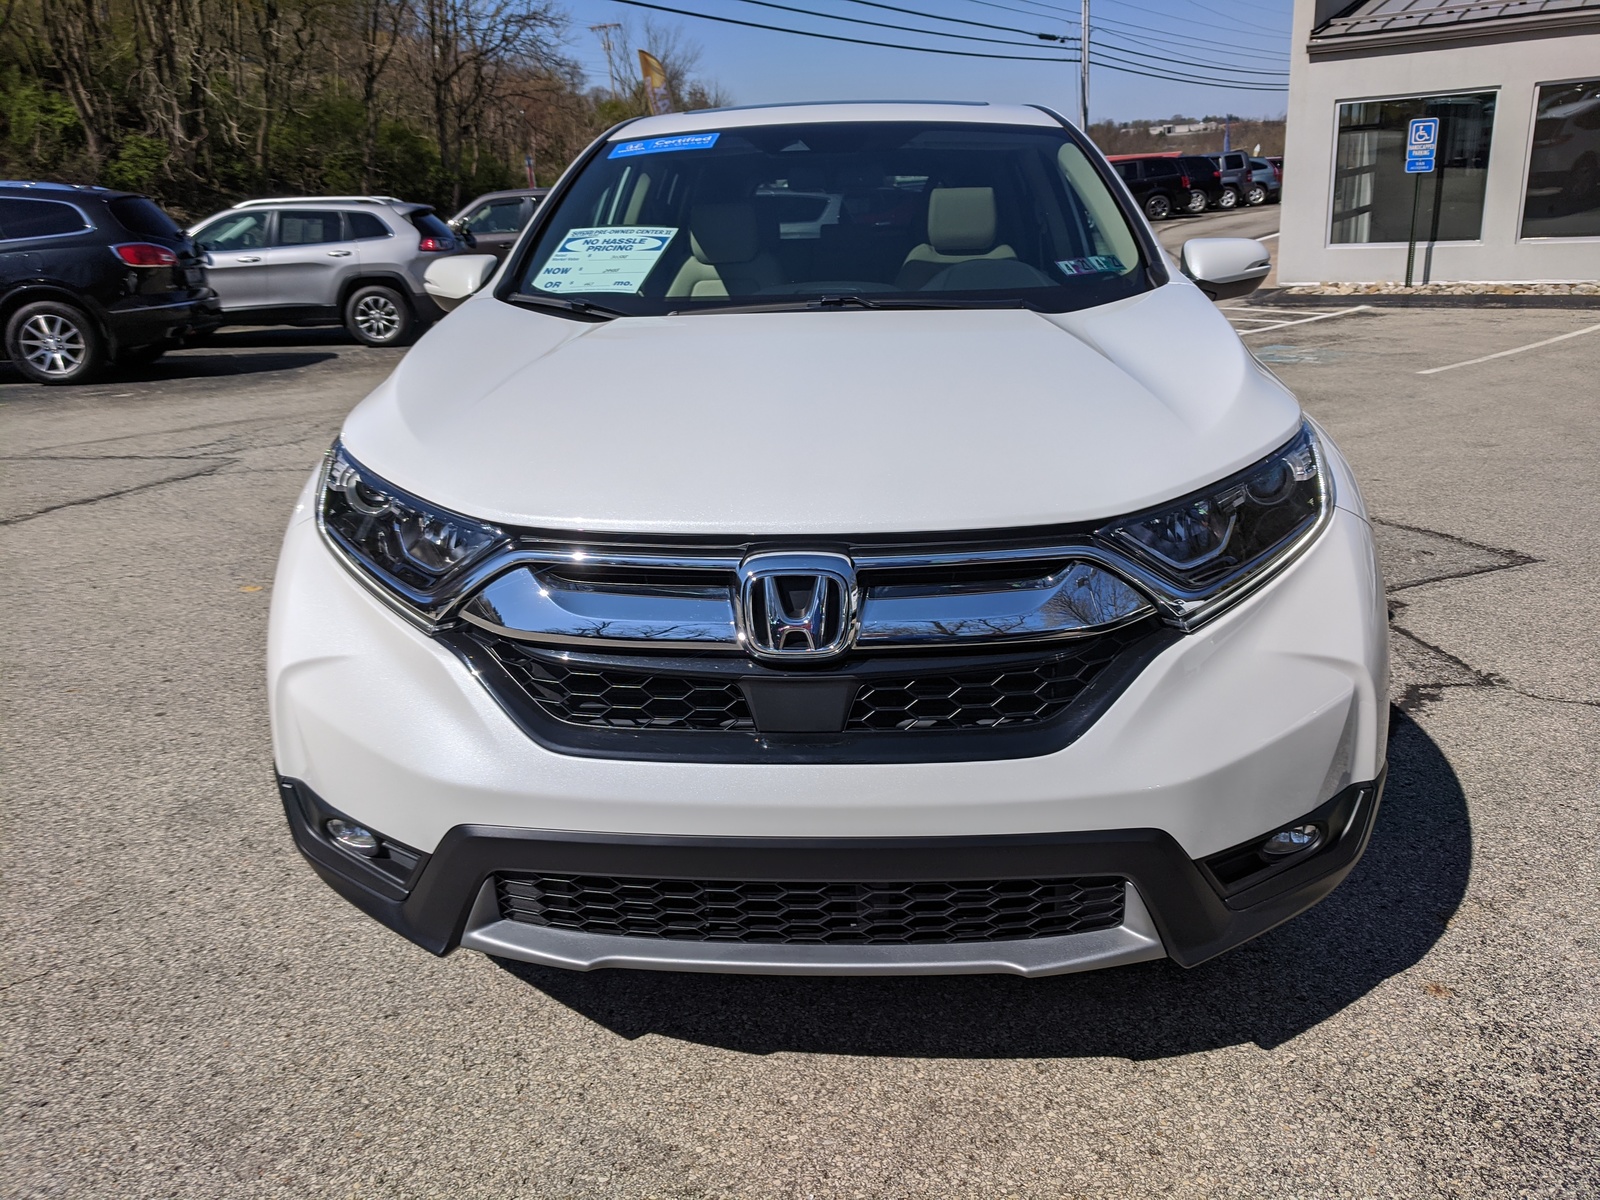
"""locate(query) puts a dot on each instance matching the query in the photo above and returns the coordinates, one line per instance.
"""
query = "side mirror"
(1226, 268)
(459, 228)
(451, 280)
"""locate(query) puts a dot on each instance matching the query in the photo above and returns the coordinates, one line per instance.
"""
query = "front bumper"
(1274, 710)
(1174, 906)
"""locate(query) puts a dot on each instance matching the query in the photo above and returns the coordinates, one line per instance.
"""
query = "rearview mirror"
(451, 280)
(1226, 268)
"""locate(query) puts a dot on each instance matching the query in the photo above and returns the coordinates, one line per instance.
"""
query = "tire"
(377, 315)
(55, 343)
(1158, 207)
(1255, 194)
(1229, 198)
(1196, 203)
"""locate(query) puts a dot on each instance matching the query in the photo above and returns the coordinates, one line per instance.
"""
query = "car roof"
(338, 203)
(66, 189)
(355, 201)
(815, 112)
(507, 193)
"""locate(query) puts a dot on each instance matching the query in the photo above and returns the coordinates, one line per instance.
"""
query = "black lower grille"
(886, 694)
(621, 699)
(862, 914)
(982, 699)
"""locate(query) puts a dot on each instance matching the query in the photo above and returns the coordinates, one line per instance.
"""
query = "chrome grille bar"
(547, 604)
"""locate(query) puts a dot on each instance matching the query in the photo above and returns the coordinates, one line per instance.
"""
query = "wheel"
(1158, 207)
(1196, 203)
(377, 315)
(1228, 199)
(1256, 193)
(142, 356)
(52, 342)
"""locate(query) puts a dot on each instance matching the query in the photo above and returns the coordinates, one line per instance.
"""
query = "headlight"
(1209, 541)
(404, 542)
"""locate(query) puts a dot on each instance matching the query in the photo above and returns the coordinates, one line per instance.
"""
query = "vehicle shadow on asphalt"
(186, 364)
(1383, 919)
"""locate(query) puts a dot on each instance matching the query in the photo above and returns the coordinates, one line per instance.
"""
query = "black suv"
(90, 277)
(1158, 185)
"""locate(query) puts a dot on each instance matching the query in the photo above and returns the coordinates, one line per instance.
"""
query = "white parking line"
(1341, 312)
(1265, 237)
(1516, 350)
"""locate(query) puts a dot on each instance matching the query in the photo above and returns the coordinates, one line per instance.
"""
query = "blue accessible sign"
(1422, 144)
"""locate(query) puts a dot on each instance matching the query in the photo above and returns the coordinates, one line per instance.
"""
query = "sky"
(1214, 39)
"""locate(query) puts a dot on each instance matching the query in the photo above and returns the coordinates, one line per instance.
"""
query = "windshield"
(887, 212)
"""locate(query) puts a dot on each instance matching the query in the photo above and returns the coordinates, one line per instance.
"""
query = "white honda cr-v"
(837, 540)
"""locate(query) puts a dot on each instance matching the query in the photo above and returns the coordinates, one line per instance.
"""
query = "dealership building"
(1515, 191)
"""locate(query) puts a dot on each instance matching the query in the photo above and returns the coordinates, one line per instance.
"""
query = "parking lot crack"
(211, 469)
(1413, 557)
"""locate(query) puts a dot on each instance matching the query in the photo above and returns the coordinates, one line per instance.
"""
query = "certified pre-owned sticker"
(604, 260)
(661, 145)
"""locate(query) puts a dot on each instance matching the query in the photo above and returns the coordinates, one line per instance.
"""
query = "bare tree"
(472, 48)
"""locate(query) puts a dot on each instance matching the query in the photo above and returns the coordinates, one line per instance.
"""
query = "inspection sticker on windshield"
(604, 260)
(1099, 264)
(684, 141)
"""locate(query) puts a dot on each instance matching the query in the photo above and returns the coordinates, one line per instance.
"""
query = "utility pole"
(605, 43)
(1083, 71)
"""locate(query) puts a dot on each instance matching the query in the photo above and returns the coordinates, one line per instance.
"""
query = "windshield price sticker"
(605, 260)
(664, 145)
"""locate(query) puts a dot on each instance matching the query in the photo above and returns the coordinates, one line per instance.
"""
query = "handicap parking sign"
(1422, 144)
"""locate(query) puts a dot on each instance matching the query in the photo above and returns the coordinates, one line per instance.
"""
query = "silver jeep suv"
(350, 260)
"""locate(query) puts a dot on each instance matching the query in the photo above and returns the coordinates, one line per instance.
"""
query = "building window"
(1564, 163)
(1372, 194)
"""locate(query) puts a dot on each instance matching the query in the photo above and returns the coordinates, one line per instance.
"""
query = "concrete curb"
(1279, 299)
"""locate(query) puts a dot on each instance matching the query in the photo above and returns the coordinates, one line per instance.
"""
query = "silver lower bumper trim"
(1135, 940)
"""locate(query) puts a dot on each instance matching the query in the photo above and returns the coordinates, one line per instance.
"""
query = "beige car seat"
(726, 256)
(961, 228)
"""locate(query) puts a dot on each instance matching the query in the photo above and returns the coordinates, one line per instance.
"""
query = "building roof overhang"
(1420, 24)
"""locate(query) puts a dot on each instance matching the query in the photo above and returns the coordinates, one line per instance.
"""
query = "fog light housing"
(1294, 840)
(353, 837)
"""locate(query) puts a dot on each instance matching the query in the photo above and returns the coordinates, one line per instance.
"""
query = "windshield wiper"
(584, 308)
(825, 303)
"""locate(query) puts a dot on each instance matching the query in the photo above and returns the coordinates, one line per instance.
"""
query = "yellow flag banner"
(655, 83)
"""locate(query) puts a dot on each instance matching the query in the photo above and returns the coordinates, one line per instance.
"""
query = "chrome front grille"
(708, 605)
(949, 652)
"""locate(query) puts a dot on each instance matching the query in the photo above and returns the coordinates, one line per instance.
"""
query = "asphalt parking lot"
(189, 1012)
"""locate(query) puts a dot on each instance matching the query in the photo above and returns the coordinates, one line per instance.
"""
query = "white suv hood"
(821, 422)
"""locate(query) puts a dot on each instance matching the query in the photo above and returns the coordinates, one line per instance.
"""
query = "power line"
(1098, 43)
(834, 37)
(1186, 39)
(1280, 38)
(1230, 17)
(1134, 57)
(1280, 56)
(966, 37)
(1153, 39)
(1049, 37)
(1251, 86)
